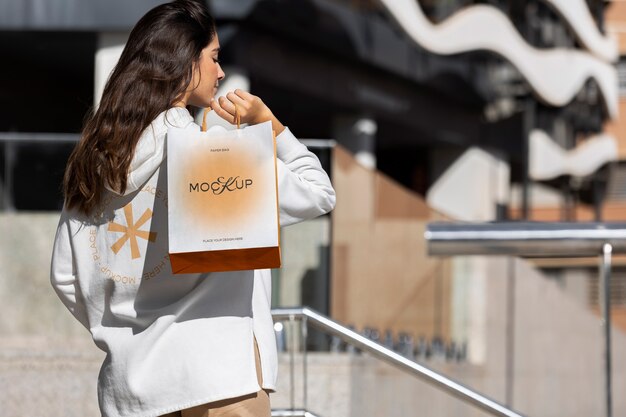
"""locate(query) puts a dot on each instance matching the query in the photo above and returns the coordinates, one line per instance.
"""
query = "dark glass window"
(46, 87)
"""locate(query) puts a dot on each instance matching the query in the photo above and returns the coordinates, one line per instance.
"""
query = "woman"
(189, 345)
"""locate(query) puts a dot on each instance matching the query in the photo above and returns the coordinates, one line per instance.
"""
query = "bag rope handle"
(237, 117)
(208, 109)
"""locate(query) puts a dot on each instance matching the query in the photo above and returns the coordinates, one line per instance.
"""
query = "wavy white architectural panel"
(548, 160)
(555, 75)
(578, 16)
(471, 187)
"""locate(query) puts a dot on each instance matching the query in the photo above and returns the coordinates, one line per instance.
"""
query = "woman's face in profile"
(206, 76)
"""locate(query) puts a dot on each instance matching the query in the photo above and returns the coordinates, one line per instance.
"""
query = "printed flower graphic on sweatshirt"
(131, 231)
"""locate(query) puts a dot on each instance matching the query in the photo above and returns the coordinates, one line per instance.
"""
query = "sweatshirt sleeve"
(304, 189)
(63, 273)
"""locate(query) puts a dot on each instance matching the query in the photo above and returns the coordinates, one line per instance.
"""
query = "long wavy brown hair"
(154, 70)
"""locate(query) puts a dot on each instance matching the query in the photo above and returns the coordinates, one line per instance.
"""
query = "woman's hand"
(251, 109)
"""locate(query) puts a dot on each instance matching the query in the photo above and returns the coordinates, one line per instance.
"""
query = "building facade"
(474, 110)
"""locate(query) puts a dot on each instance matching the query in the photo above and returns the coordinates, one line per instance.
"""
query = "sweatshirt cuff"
(286, 143)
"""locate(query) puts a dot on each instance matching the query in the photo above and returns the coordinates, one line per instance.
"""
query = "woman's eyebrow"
(216, 49)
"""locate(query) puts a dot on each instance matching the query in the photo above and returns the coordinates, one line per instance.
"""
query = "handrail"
(319, 143)
(292, 413)
(353, 338)
(526, 239)
(27, 137)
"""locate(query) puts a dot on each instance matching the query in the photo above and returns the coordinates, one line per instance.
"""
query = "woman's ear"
(196, 75)
(183, 97)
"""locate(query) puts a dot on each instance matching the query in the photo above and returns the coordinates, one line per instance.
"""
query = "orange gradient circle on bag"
(222, 190)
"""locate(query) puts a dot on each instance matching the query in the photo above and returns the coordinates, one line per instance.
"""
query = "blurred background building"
(421, 110)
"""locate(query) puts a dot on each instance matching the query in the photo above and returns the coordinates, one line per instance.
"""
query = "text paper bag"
(222, 199)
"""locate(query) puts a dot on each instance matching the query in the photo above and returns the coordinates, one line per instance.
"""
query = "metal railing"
(27, 137)
(292, 413)
(524, 239)
(328, 326)
(540, 240)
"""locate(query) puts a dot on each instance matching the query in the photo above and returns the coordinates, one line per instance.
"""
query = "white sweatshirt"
(172, 342)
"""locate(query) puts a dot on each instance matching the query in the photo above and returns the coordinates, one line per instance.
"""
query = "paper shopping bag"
(222, 199)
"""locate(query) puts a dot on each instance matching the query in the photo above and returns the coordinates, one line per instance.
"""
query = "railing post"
(305, 332)
(292, 349)
(605, 278)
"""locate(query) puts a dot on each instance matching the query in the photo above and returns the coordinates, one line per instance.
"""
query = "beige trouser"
(252, 405)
